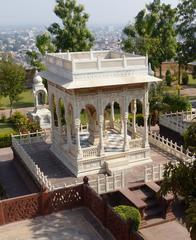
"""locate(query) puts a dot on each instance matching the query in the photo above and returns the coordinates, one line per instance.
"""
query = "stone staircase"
(154, 211)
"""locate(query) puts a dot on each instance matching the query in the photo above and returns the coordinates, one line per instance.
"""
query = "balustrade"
(30, 164)
(90, 152)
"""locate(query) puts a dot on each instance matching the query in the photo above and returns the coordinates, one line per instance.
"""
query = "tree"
(74, 34)
(180, 179)
(35, 60)
(12, 79)
(153, 33)
(155, 102)
(168, 78)
(190, 137)
(175, 103)
(186, 29)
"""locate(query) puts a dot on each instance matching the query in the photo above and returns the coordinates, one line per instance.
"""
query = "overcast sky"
(40, 12)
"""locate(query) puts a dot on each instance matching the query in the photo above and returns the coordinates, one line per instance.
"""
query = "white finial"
(68, 55)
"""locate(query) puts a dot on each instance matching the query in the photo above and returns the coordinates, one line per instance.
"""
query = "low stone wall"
(39, 204)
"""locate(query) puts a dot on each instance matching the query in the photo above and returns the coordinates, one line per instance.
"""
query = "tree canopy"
(186, 29)
(190, 137)
(153, 33)
(74, 34)
(180, 179)
(12, 80)
(71, 35)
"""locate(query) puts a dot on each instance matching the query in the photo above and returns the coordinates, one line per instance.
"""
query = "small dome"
(37, 79)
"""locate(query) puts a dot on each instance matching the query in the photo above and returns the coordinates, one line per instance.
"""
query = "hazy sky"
(40, 12)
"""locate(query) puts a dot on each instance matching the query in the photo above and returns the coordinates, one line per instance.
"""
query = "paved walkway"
(166, 231)
(6, 112)
(77, 224)
(188, 91)
(58, 174)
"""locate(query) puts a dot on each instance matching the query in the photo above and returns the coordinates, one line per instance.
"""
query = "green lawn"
(25, 100)
(192, 82)
(170, 89)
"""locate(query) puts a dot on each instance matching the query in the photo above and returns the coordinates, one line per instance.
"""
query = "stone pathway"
(6, 112)
(77, 224)
(58, 174)
(166, 231)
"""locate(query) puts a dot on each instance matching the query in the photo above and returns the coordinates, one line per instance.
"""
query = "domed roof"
(37, 79)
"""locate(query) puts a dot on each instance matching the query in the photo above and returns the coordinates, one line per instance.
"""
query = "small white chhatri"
(99, 88)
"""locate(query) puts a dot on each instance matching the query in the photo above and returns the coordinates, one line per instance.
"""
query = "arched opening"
(113, 126)
(62, 120)
(135, 117)
(41, 98)
(62, 112)
(89, 134)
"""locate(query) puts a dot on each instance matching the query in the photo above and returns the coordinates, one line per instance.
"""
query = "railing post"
(153, 177)
(98, 185)
(160, 171)
(114, 181)
(145, 174)
(106, 183)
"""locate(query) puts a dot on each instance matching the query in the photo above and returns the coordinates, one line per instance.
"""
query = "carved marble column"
(78, 147)
(146, 115)
(126, 144)
(121, 124)
(134, 110)
(101, 141)
(68, 128)
(58, 111)
(52, 117)
(112, 119)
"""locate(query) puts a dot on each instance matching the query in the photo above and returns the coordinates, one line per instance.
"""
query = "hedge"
(129, 213)
(5, 140)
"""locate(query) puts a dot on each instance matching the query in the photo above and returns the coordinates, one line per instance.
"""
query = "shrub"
(168, 78)
(129, 213)
(5, 140)
(174, 103)
(185, 78)
(190, 137)
(140, 120)
(3, 118)
(24, 124)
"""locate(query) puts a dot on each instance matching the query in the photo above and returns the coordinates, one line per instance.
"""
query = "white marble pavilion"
(88, 85)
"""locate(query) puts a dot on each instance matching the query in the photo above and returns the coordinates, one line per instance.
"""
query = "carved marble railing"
(29, 138)
(102, 184)
(30, 164)
(168, 146)
(178, 121)
(153, 173)
(90, 152)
